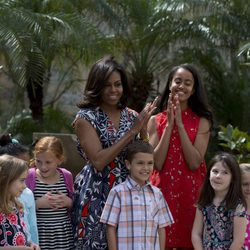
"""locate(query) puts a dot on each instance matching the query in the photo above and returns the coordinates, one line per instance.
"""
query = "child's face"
(18, 185)
(220, 178)
(141, 167)
(246, 185)
(47, 163)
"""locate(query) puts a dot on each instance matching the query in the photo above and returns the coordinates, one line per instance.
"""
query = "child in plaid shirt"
(136, 212)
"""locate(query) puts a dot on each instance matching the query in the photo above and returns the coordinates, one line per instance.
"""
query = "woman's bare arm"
(194, 153)
(91, 144)
(160, 146)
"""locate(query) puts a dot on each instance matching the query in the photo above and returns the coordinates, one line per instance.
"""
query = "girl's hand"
(177, 112)
(44, 201)
(170, 110)
(34, 246)
(60, 200)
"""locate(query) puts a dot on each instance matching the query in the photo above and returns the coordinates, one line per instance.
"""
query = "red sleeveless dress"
(178, 184)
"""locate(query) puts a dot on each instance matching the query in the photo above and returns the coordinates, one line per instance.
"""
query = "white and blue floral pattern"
(92, 187)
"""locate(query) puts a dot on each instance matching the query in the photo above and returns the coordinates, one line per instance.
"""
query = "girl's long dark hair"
(234, 194)
(198, 100)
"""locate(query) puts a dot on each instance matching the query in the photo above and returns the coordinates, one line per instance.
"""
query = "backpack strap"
(68, 178)
(31, 179)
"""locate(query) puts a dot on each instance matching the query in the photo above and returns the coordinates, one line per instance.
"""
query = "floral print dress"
(92, 187)
(12, 229)
(218, 226)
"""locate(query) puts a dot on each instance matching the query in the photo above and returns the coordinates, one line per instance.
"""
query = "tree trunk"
(35, 95)
(140, 86)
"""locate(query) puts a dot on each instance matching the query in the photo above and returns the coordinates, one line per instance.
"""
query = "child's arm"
(112, 237)
(197, 230)
(32, 220)
(162, 237)
(239, 231)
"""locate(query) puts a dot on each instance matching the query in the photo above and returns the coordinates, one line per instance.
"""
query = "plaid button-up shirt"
(137, 212)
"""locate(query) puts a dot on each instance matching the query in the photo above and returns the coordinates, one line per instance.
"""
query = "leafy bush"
(22, 126)
(235, 141)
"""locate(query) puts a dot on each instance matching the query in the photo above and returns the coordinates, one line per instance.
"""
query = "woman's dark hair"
(234, 194)
(98, 75)
(197, 101)
(11, 146)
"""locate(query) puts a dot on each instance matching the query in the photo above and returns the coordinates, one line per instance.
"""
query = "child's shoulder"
(240, 210)
(156, 190)
(119, 187)
(27, 192)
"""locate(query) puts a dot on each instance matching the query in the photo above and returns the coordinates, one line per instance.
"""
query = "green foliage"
(22, 125)
(235, 141)
(57, 121)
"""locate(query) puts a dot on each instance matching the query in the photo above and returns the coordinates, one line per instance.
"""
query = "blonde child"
(13, 172)
(220, 221)
(136, 212)
(52, 187)
(245, 175)
(11, 146)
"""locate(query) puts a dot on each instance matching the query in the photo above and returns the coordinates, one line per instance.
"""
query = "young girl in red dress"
(180, 135)
(13, 172)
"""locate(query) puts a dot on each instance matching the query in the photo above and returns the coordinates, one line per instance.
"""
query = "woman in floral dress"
(104, 126)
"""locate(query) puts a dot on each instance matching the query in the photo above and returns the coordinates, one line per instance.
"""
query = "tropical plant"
(235, 141)
(40, 35)
(244, 54)
(219, 28)
(23, 126)
(141, 32)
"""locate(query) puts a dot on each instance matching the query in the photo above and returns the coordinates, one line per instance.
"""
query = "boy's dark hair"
(138, 147)
(234, 194)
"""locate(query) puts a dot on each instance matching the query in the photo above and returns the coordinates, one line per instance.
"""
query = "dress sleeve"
(87, 114)
(240, 211)
(32, 219)
(111, 211)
